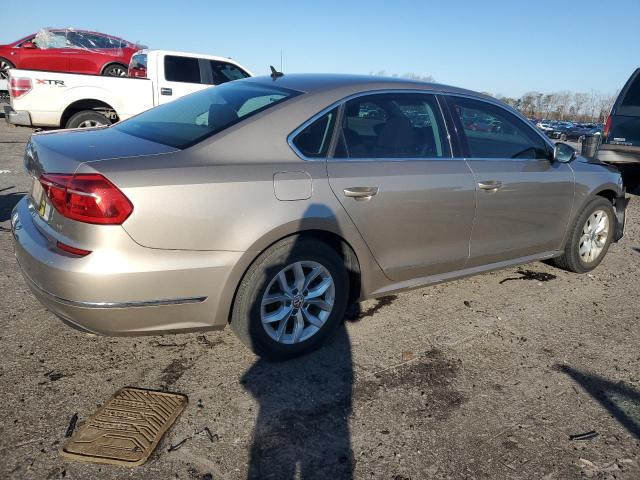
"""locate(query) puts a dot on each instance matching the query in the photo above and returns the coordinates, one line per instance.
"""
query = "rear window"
(189, 120)
(632, 97)
(138, 65)
(181, 69)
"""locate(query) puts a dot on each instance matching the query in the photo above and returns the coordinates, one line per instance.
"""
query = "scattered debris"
(531, 275)
(213, 437)
(207, 476)
(467, 303)
(177, 446)
(53, 375)
(406, 356)
(584, 436)
(72, 425)
(209, 343)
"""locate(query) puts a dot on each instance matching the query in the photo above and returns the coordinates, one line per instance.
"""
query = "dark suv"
(621, 139)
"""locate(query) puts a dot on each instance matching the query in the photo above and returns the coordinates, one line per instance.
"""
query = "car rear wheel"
(86, 119)
(590, 237)
(291, 298)
(115, 70)
(5, 65)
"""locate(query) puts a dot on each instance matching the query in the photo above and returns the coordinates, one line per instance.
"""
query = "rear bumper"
(16, 118)
(609, 154)
(153, 291)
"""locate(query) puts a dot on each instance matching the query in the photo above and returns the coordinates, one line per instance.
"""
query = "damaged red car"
(69, 50)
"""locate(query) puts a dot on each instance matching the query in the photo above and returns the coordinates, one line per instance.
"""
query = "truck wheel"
(115, 70)
(87, 118)
(291, 299)
(5, 65)
(590, 237)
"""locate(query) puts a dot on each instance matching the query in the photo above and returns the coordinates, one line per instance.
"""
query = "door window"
(223, 72)
(493, 132)
(181, 69)
(314, 140)
(394, 125)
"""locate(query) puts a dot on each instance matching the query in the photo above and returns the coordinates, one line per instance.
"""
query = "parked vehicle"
(48, 99)
(621, 139)
(68, 50)
(272, 203)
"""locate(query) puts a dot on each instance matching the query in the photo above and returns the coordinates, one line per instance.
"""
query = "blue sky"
(506, 47)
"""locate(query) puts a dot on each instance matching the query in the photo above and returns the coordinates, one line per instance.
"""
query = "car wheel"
(590, 237)
(86, 119)
(291, 298)
(5, 65)
(115, 70)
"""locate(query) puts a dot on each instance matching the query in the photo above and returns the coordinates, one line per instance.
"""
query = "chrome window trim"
(342, 101)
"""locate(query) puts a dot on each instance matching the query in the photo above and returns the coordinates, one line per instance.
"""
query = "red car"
(72, 51)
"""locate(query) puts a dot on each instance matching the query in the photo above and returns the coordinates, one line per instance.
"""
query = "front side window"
(224, 72)
(181, 69)
(493, 132)
(190, 119)
(393, 125)
(314, 140)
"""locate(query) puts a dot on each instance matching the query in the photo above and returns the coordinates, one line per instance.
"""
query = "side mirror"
(564, 153)
(29, 45)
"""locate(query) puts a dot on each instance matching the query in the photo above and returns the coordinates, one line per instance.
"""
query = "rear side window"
(223, 72)
(395, 125)
(314, 140)
(493, 132)
(181, 69)
(190, 119)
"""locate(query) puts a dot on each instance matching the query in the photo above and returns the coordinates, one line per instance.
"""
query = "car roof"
(321, 82)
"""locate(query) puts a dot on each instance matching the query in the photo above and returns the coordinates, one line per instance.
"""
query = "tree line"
(564, 105)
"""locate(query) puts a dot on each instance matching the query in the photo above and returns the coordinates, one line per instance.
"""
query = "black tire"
(246, 314)
(5, 65)
(115, 70)
(87, 118)
(571, 259)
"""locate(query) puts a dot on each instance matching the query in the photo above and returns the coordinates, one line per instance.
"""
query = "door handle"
(490, 185)
(360, 193)
(166, 91)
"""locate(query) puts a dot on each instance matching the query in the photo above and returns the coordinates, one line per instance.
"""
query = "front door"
(524, 198)
(393, 173)
(179, 76)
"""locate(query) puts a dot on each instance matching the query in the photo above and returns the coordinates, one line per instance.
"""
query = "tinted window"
(181, 69)
(399, 125)
(314, 140)
(632, 97)
(493, 132)
(225, 72)
(188, 120)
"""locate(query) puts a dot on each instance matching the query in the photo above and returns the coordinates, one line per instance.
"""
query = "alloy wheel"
(116, 72)
(90, 123)
(297, 302)
(4, 69)
(594, 236)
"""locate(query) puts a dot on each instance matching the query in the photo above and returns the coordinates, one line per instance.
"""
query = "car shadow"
(304, 404)
(7, 202)
(620, 400)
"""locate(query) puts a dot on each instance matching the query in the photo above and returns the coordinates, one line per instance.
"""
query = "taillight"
(88, 198)
(19, 86)
(607, 126)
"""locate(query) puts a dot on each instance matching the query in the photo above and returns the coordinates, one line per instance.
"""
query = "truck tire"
(115, 70)
(86, 119)
(5, 65)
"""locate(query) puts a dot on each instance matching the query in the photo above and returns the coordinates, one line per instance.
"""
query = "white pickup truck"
(67, 100)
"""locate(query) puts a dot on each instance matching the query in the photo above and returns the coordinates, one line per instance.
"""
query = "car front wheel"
(291, 298)
(590, 237)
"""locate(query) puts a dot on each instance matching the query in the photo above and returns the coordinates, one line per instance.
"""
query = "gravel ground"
(486, 377)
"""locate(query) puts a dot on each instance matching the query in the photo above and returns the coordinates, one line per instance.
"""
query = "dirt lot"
(486, 377)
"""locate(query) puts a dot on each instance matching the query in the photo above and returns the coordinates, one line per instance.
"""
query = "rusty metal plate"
(127, 429)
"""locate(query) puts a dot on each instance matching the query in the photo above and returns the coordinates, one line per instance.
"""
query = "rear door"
(180, 75)
(524, 199)
(218, 72)
(394, 174)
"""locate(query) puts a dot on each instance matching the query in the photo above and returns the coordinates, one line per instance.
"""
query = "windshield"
(189, 120)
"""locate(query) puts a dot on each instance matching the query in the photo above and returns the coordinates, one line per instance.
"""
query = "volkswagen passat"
(272, 203)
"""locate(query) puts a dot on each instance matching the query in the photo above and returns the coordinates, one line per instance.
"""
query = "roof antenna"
(274, 73)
